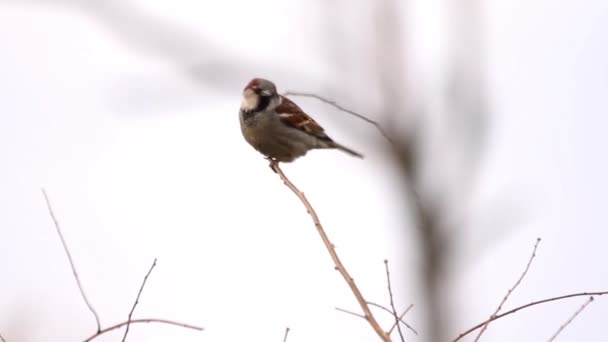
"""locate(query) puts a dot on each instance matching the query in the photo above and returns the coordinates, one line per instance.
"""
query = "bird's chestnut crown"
(262, 87)
(258, 95)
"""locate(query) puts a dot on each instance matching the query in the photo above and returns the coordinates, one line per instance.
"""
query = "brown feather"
(294, 116)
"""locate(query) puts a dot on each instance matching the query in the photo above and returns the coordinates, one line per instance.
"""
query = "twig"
(141, 288)
(350, 312)
(512, 311)
(142, 320)
(400, 319)
(380, 307)
(521, 277)
(130, 321)
(2, 338)
(286, 333)
(563, 326)
(390, 295)
(67, 252)
(391, 312)
(343, 109)
(332, 252)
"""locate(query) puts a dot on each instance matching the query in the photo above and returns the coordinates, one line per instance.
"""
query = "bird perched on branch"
(277, 127)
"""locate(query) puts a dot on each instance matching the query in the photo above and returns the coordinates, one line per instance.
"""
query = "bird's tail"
(347, 150)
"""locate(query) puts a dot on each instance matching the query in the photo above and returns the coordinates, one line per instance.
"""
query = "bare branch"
(390, 294)
(512, 311)
(387, 310)
(350, 312)
(400, 319)
(142, 320)
(390, 312)
(332, 252)
(67, 252)
(127, 323)
(2, 338)
(286, 333)
(342, 109)
(141, 288)
(521, 277)
(563, 326)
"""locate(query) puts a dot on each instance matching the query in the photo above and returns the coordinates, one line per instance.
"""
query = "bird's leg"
(273, 164)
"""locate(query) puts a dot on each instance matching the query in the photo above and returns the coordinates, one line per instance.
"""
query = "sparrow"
(277, 128)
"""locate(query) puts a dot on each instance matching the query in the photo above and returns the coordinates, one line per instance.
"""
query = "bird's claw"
(273, 164)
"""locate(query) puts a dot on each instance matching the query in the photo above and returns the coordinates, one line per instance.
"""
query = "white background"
(141, 161)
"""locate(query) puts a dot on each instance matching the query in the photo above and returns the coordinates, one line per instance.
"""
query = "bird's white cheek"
(250, 100)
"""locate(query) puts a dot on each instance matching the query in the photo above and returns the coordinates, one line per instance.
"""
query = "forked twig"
(504, 300)
(141, 288)
(563, 326)
(139, 321)
(67, 252)
(390, 294)
(538, 302)
(391, 312)
(400, 319)
(343, 109)
(387, 310)
(130, 321)
(332, 252)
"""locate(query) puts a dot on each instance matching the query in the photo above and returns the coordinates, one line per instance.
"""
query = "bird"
(277, 128)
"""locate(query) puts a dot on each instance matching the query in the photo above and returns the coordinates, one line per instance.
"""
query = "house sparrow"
(277, 127)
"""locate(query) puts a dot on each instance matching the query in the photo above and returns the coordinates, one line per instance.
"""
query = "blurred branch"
(2, 338)
(512, 311)
(342, 109)
(142, 320)
(506, 297)
(390, 294)
(67, 252)
(330, 248)
(563, 326)
(404, 118)
(141, 288)
(286, 333)
(195, 55)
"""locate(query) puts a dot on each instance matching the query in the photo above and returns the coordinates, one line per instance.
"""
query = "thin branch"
(350, 312)
(390, 295)
(332, 252)
(380, 307)
(563, 326)
(142, 320)
(286, 333)
(400, 319)
(390, 312)
(67, 252)
(521, 277)
(141, 288)
(512, 311)
(342, 109)
(2, 338)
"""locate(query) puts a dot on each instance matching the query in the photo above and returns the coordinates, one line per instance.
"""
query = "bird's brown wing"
(293, 116)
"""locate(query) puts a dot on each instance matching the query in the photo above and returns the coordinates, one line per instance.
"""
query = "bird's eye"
(265, 92)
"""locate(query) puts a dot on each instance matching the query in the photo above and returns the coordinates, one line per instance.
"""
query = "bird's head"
(258, 95)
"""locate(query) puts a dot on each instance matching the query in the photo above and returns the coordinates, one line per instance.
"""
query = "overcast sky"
(141, 160)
